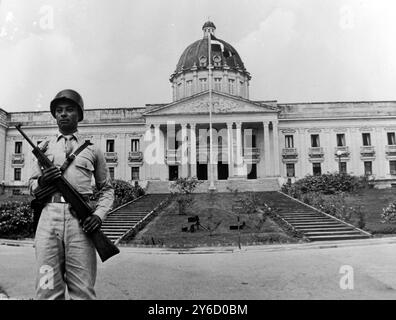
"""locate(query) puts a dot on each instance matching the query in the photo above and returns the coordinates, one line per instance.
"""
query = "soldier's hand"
(49, 175)
(92, 223)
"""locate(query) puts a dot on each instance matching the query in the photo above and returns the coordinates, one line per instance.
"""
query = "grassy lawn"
(372, 201)
(215, 219)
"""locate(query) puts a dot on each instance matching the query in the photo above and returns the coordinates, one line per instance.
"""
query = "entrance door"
(173, 173)
(252, 171)
(222, 171)
(202, 171)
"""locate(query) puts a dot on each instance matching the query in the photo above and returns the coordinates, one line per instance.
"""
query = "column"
(239, 157)
(147, 152)
(159, 152)
(183, 153)
(276, 148)
(174, 88)
(267, 160)
(230, 146)
(193, 150)
(378, 140)
(183, 87)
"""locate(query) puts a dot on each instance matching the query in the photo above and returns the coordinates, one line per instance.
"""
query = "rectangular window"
(203, 84)
(368, 168)
(17, 174)
(242, 86)
(392, 166)
(110, 145)
(111, 172)
(217, 84)
(135, 145)
(343, 167)
(18, 147)
(231, 86)
(289, 141)
(188, 87)
(316, 169)
(315, 141)
(180, 90)
(366, 139)
(290, 170)
(340, 140)
(135, 173)
(391, 138)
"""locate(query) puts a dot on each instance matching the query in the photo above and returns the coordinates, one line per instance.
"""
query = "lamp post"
(339, 154)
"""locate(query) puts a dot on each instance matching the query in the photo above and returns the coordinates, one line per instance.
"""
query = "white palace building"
(257, 145)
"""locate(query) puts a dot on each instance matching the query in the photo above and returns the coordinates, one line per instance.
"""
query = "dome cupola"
(229, 74)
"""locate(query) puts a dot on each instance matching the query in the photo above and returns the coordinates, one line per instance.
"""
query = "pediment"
(222, 104)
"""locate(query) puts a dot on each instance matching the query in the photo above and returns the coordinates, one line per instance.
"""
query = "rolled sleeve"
(104, 186)
(33, 180)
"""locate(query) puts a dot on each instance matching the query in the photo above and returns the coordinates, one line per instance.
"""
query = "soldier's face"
(66, 114)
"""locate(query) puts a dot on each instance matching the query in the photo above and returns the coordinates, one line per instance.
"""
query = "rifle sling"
(46, 191)
(73, 155)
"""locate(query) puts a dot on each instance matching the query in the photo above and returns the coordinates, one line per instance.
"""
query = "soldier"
(66, 257)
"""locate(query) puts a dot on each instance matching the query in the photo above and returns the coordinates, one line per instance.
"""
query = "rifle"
(105, 248)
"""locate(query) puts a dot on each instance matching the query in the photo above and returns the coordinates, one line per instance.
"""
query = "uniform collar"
(76, 135)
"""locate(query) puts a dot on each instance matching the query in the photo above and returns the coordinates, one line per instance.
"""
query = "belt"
(58, 198)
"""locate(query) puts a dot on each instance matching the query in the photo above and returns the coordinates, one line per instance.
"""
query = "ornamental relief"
(220, 105)
(366, 129)
(314, 130)
(135, 134)
(288, 131)
(110, 136)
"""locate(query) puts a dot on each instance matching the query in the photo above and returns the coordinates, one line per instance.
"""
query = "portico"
(245, 139)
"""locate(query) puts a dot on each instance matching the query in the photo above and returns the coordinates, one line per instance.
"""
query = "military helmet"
(69, 94)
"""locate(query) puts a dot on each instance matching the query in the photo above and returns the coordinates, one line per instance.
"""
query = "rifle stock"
(105, 248)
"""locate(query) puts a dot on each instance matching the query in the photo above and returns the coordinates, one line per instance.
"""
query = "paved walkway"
(357, 269)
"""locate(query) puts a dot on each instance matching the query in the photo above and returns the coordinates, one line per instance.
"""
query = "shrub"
(16, 219)
(182, 189)
(123, 192)
(388, 214)
(329, 183)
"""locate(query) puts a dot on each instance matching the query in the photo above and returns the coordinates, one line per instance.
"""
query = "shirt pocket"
(84, 165)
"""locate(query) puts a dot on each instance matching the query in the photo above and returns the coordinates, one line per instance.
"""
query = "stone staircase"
(123, 219)
(313, 224)
(243, 185)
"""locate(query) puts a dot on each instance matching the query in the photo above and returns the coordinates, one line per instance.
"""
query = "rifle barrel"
(18, 127)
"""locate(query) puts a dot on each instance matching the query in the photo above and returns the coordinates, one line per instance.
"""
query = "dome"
(228, 73)
(224, 55)
(208, 24)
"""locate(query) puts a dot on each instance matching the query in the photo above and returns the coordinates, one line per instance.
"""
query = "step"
(318, 233)
(312, 226)
(325, 223)
(308, 218)
(125, 228)
(314, 229)
(121, 225)
(120, 222)
(308, 221)
(339, 237)
(302, 215)
(305, 228)
(126, 217)
(130, 212)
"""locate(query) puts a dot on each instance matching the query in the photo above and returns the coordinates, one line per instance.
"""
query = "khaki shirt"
(89, 163)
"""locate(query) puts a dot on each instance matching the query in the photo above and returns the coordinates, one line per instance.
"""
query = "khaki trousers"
(66, 257)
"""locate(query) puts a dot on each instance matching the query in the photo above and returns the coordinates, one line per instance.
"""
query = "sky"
(120, 53)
